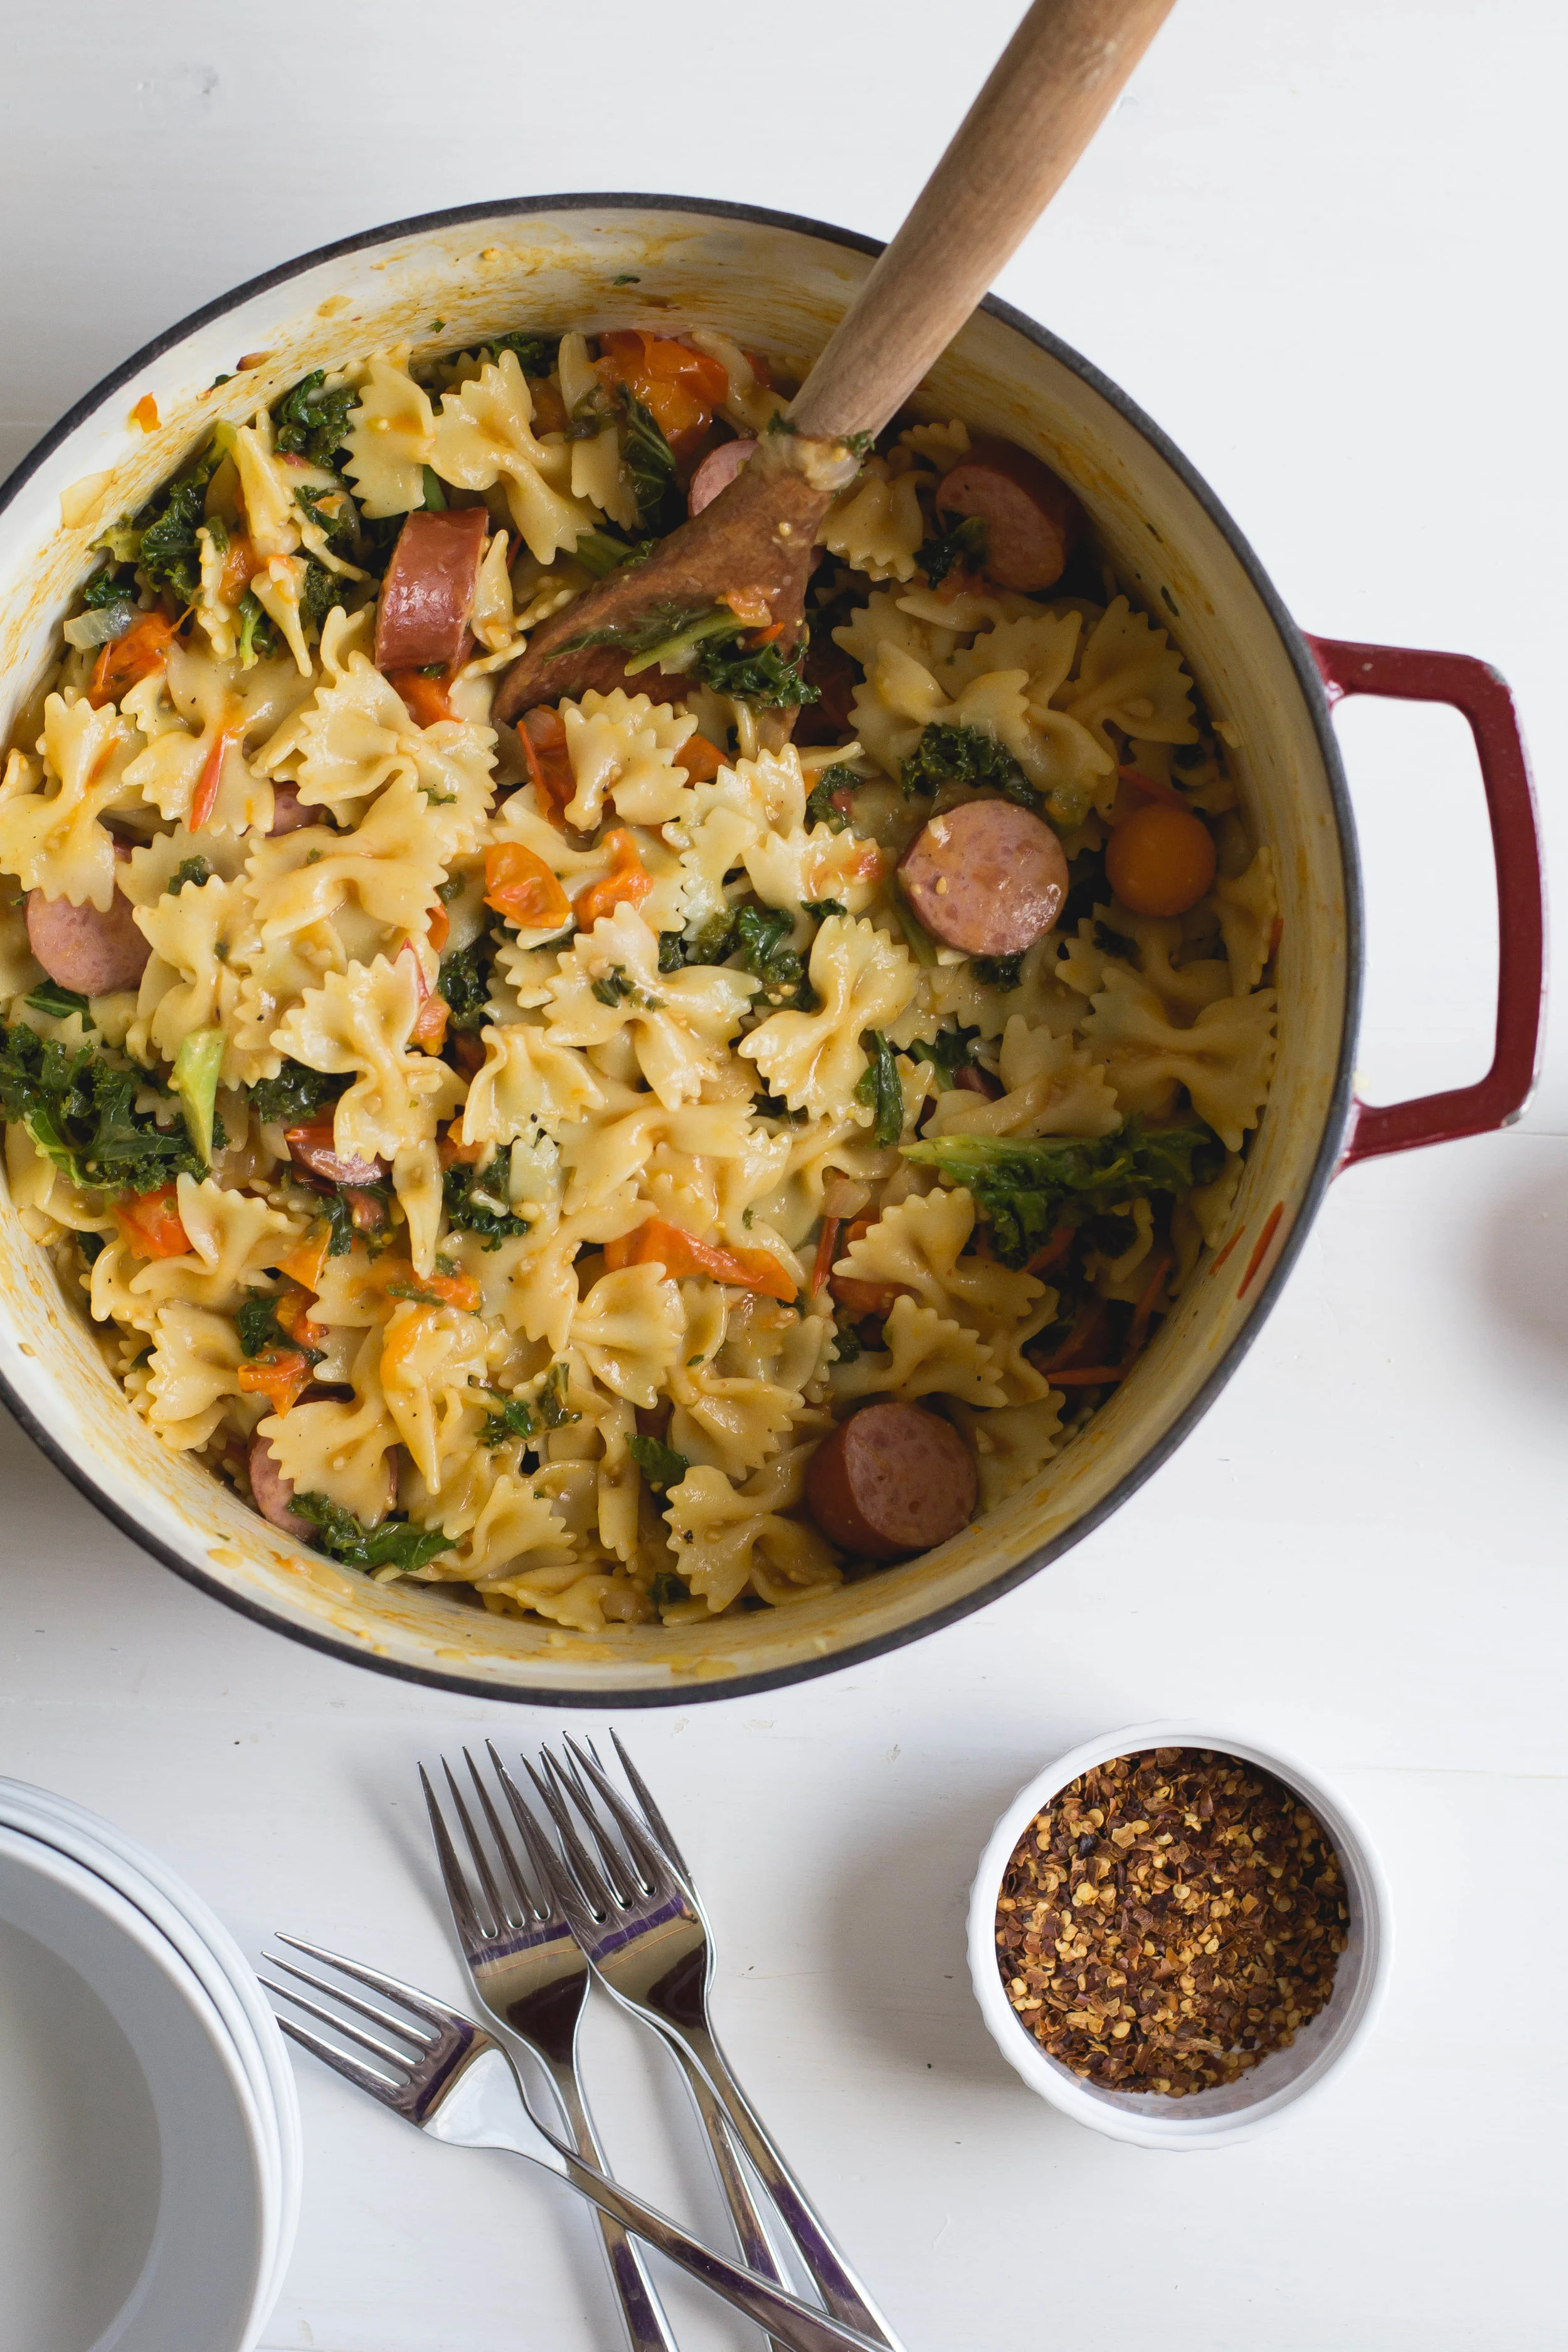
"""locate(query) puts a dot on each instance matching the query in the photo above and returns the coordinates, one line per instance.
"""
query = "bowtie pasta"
(509, 1155)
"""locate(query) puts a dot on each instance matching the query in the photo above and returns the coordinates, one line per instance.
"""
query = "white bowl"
(1279, 2082)
(126, 2112)
(218, 1963)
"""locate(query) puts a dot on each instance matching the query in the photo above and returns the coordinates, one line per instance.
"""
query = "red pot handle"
(1471, 687)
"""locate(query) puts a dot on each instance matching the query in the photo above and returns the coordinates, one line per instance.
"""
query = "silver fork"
(529, 1971)
(454, 2080)
(637, 1918)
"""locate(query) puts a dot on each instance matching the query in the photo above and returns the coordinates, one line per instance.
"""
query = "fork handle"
(751, 2228)
(647, 2326)
(841, 2290)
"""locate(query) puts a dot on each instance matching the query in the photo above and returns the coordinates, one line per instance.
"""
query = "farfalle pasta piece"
(1224, 1060)
(1182, 989)
(1131, 675)
(609, 983)
(196, 770)
(816, 1060)
(275, 975)
(339, 1448)
(390, 437)
(544, 1289)
(1247, 905)
(390, 867)
(431, 1359)
(625, 748)
(876, 525)
(52, 841)
(358, 736)
(484, 434)
(233, 1240)
(361, 1021)
(749, 405)
(924, 1354)
(939, 446)
(1011, 1444)
(919, 1246)
(628, 1331)
(598, 473)
(191, 981)
(528, 1077)
(727, 1539)
(515, 1545)
(1052, 1088)
(798, 868)
(192, 1374)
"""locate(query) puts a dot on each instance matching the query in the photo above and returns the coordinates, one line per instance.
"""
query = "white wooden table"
(1322, 252)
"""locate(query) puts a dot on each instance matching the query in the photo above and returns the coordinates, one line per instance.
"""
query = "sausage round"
(988, 877)
(81, 949)
(716, 473)
(1033, 520)
(311, 1148)
(428, 591)
(273, 1493)
(288, 810)
(889, 1481)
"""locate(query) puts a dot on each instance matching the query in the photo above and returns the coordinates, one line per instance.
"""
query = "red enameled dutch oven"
(780, 283)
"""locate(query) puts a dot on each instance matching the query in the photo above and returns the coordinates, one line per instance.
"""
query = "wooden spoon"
(1051, 89)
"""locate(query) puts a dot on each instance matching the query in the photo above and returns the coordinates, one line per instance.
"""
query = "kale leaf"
(650, 466)
(58, 1003)
(966, 755)
(1004, 972)
(604, 550)
(190, 869)
(819, 909)
(311, 422)
(478, 1212)
(966, 541)
(295, 1095)
(256, 1320)
(521, 1417)
(819, 807)
(392, 1544)
(112, 585)
(168, 554)
(1029, 1191)
(78, 1109)
(464, 982)
(258, 637)
(667, 1588)
(535, 354)
(773, 680)
(661, 1465)
(759, 939)
(948, 1053)
(878, 1086)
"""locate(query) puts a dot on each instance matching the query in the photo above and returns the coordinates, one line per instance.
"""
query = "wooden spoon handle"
(1051, 89)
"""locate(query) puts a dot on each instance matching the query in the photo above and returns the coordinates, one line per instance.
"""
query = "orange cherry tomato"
(143, 648)
(700, 759)
(424, 698)
(680, 388)
(279, 1374)
(656, 1242)
(239, 566)
(440, 930)
(1160, 860)
(149, 1222)
(519, 886)
(543, 734)
(627, 884)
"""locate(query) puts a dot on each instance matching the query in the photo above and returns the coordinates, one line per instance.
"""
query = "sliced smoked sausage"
(312, 1149)
(716, 473)
(81, 949)
(1032, 519)
(273, 1493)
(989, 877)
(428, 591)
(891, 1480)
(288, 810)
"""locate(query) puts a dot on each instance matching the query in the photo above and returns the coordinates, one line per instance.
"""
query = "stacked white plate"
(148, 2128)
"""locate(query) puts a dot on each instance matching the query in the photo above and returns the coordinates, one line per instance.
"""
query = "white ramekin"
(1281, 2082)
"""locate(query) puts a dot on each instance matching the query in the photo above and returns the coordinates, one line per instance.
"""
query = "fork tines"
(420, 2026)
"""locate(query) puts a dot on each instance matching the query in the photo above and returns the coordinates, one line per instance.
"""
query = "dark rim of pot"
(683, 1691)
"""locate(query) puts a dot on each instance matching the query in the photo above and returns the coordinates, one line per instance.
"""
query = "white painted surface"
(1322, 253)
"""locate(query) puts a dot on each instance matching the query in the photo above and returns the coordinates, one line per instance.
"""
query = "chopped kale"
(1027, 1190)
(1004, 972)
(535, 354)
(773, 680)
(653, 630)
(190, 869)
(78, 1109)
(878, 1086)
(847, 1342)
(58, 1003)
(819, 807)
(650, 466)
(392, 1544)
(966, 755)
(320, 593)
(667, 1588)
(435, 490)
(474, 1211)
(950, 1051)
(819, 909)
(525, 1417)
(332, 511)
(295, 1095)
(341, 1231)
(112, 585)
(256, 1320)
(464, 982)
(311, 422)
(167, 552)
(602, 552)
(760, 938)
(966, 543)
(768, 1106)
(258, 637)
(661, 1465)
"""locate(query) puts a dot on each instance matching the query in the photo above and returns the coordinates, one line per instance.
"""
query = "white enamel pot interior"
(781, 284)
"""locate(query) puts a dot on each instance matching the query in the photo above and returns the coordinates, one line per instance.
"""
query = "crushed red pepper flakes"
(1169, 1918)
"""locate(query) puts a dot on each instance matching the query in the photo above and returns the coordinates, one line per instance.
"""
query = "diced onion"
(844, 1199)
(103, 626)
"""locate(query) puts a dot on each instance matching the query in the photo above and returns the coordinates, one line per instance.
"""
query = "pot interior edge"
(782, 286)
